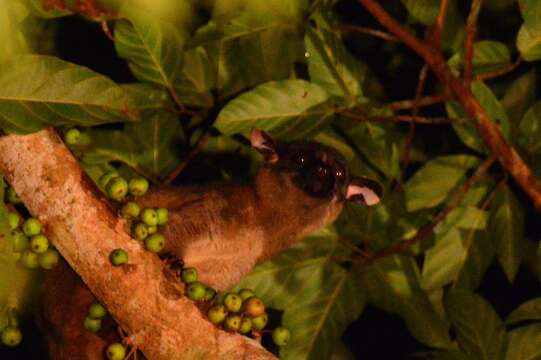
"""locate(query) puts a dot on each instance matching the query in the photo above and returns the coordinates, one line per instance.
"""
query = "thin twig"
(369, 31)
(501, 72)
(424, 101)
(440, 24)
(427, 229)
(201, 142)
(486, 127)
(397, 118)
(411, 132)
(471, 30)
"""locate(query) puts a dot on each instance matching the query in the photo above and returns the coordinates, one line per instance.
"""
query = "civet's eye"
(301, 158)
(339, 173)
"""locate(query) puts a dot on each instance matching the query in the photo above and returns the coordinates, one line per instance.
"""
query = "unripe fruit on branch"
(117, 188)
(31, 227)
(155, 243)
(49, 259)
(217, 314)
(196, 291)
(138, 186)
(280, 336)
(115, 351)
(253, 307)
(11, 336)
(118, 257)
(39, 243)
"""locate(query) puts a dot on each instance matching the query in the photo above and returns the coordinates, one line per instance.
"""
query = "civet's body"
(224, 229)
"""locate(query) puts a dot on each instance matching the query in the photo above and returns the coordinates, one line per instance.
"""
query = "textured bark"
(141, 296)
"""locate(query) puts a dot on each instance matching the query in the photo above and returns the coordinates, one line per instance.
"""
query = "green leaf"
(39, 91)
(47, 9)
(480, 332)
(287, 109)
(153, 49)
(507, 230)
(380, 145)
(432, 184)
(252, 42)
(147, 97)
(531, 13)
(488, 56)
(480, 254)
(197, 80)
(151, 146)
(519, 97)
(424, 11)
(393, 284)
(524, 343)
(456, 254)
(529, 43)
(530, 310)
(331, 66)
(530, 130)
(442, 355)
(319, 298)
(466, 131)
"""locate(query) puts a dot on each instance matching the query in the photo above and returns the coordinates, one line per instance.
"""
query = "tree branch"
(440, 24)
(488, 130)
(471, 30)
(142, 296)
(424, 101)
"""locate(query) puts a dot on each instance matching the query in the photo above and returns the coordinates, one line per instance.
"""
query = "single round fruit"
(115, 351)
(117, 188)
(189, 275)
(31, 227)
(139, 231)
(245, 326)
(72, 136)
(152, 229)
(96, 310)
(163, 216)
(196, 291)
(253, 307)
(130, 210)
(155, 242)
(12, 196)
(39, 243)
(209, 294)
(245, 294)
(233, 302)
(91, 324)
(149, 217)
(20, 240)
(280, 336)
(49, 259)
(217, 314)
(11, 336)
(104, 179)
(138, 186)
(30, 259)
(232, 322)
(260, 322)
(118, 257)
(14, 220)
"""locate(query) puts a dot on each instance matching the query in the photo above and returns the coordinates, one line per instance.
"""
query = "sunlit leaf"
(38, 91)
(480, 332)
(287, 109)
(331, 66)
(519, 97)
(153, 49)
(152, 146)
(432, 184)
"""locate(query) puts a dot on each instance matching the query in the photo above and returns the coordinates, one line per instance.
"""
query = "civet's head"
(319, 171)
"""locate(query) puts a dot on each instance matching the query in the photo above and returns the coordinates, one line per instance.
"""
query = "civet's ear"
(365, 191)
(263, 143)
